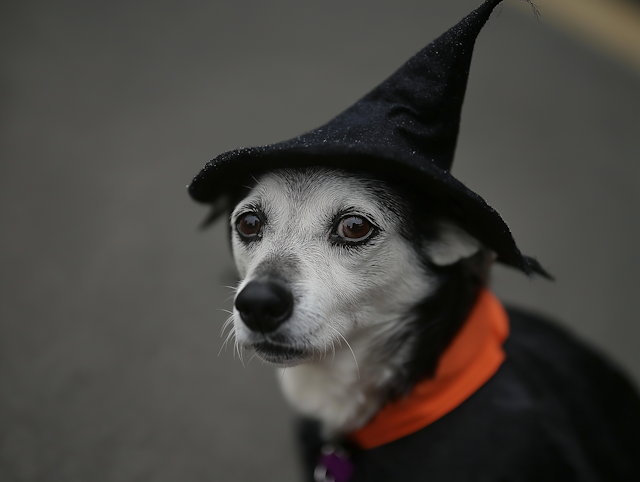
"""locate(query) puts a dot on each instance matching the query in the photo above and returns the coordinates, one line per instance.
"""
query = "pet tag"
(334, 465)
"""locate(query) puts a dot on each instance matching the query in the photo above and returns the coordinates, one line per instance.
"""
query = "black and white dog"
(355, 290)
(364, 266)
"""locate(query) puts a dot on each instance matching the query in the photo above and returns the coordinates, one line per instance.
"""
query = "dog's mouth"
(278, 354)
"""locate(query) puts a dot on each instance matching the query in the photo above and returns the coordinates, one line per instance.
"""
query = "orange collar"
(472, 358)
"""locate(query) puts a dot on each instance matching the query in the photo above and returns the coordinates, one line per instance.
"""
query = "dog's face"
(324, 253)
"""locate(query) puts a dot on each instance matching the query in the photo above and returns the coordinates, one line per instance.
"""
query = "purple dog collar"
(334, 465)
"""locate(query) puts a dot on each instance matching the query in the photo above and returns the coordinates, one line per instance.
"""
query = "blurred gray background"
(110, 298)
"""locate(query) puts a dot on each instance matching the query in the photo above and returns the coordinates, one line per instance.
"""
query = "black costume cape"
(554, 411)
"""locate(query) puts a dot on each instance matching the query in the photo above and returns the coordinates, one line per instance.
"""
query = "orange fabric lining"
(472, 358)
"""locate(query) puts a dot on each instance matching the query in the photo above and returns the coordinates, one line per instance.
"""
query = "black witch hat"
(407, 126)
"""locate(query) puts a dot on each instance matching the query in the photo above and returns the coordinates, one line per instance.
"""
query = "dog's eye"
(249, 225)
(354, 228)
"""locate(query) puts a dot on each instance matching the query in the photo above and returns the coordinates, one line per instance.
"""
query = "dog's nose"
(264, 304)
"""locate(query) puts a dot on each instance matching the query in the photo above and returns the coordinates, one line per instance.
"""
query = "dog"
(365, 267)
(354, 287)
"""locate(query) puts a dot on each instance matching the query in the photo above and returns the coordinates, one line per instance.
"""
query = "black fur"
(437, 319)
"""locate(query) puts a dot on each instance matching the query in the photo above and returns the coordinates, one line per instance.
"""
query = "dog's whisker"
(231, 333)
(222, 347)
(227, 321)
(236, 348)
(257, 182)
(230, 313)
(352, 352)
(325, 346)
(225, 325)
(333, 349)
(240, 353)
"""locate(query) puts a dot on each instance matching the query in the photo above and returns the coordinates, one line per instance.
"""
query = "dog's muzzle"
(264, 304)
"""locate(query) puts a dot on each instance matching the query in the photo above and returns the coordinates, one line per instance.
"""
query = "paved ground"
(110, 297)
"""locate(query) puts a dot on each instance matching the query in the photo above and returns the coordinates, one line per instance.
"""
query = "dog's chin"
(280, 355)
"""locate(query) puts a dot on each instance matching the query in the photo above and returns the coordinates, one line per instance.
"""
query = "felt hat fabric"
(407, 127)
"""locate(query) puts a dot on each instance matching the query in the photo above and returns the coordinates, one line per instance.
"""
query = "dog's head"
(324, 253)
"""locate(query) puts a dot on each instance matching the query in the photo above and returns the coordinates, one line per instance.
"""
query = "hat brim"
(229, 171)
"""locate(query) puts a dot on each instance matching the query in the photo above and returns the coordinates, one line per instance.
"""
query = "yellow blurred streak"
(611, 26)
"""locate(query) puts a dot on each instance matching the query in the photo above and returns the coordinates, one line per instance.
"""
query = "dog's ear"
(452, 244)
